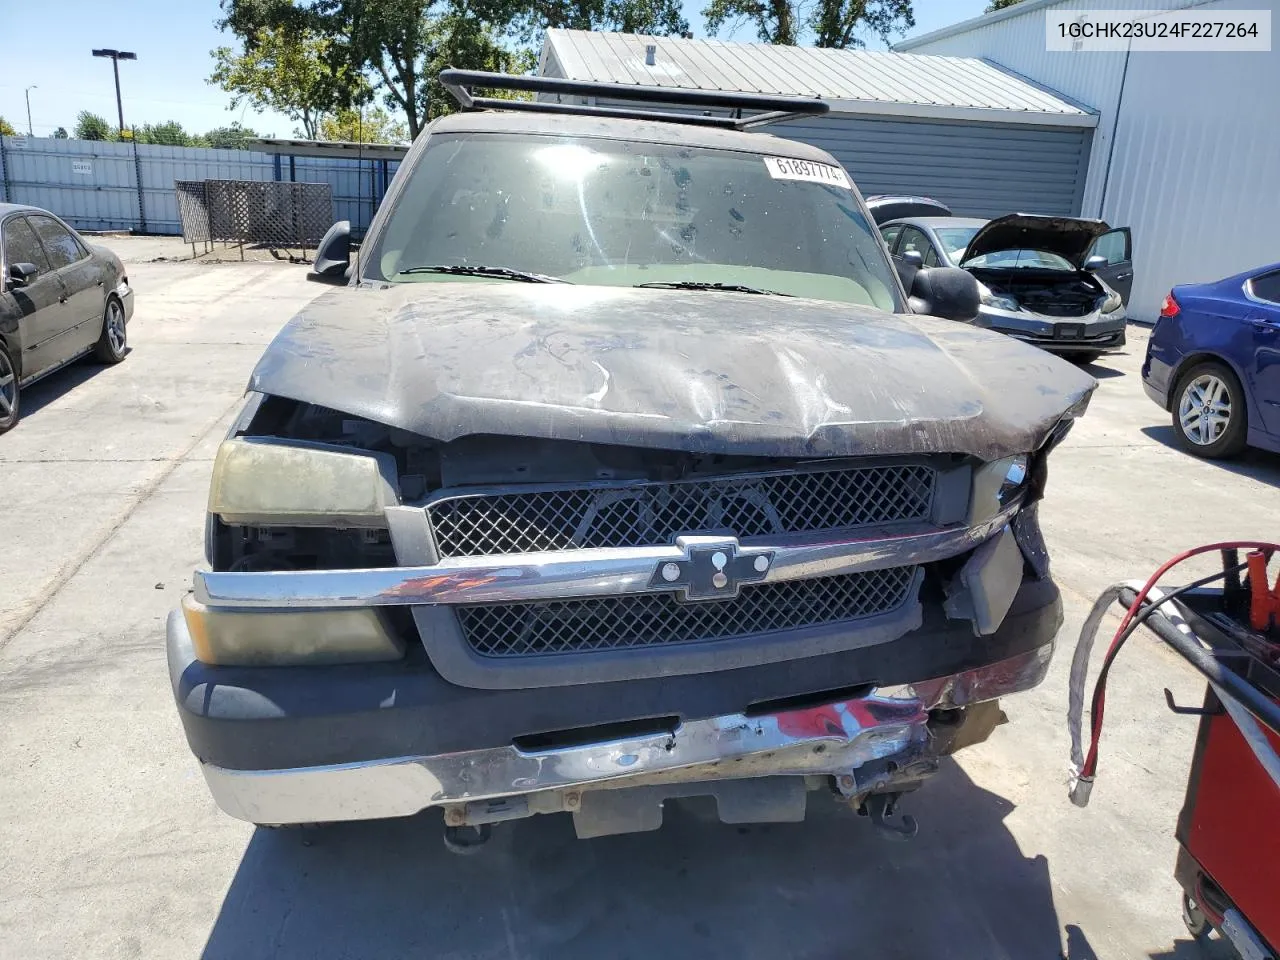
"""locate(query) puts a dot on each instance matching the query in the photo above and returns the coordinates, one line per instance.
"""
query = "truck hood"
(1068, 237)
(680, 370)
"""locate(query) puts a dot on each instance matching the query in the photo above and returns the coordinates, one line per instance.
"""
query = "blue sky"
(173, 40)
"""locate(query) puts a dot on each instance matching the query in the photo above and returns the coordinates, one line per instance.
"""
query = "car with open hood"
(618, 467)
(1060, 283)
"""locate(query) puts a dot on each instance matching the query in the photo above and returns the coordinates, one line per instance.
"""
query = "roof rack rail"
(772, 108)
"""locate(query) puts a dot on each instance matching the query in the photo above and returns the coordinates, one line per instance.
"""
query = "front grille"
(647, 514)
(653, 620)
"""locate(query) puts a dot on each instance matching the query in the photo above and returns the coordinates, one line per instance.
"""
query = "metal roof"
(1018, 9)
(853, 81)
(333, 148)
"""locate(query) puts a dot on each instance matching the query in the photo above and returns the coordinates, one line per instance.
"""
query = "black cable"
(1139, 618)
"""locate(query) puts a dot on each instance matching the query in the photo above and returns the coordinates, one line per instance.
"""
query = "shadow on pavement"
(1214, 949)
(44, 391)
(1099, 371)
(829, 887)
(1258, 464)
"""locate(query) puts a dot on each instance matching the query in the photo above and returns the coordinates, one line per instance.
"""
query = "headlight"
(995, 486)
(260, 481)
(278, 638)
(1112, 302)
(997, 300)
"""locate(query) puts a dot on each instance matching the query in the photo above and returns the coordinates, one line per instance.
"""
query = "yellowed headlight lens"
(269, 482)
(260, 638)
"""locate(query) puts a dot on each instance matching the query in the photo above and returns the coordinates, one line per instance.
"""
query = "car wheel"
(113, 341)
(9, 394)
(1209, 416)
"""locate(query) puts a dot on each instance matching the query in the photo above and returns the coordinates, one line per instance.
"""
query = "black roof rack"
(771, 108)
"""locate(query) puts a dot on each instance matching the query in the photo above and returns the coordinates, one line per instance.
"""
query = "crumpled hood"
(1068, 237)
(682, 370)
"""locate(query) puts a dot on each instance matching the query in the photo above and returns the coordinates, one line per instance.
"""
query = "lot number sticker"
(84, 167)
(785, 168)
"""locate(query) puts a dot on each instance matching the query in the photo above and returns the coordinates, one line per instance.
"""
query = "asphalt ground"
(111, 847)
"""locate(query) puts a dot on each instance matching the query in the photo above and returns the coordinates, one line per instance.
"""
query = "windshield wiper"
(500, 273)
(700, 285)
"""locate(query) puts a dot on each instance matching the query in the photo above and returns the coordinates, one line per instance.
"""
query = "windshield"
(622, 213)
(954, 240)
(1021, 260)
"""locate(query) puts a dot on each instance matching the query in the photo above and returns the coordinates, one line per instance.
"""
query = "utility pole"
(28, 93)
(116, 56)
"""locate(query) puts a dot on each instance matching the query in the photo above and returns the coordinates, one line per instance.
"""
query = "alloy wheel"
(115, 326)
(8, 386)
(1204, 410)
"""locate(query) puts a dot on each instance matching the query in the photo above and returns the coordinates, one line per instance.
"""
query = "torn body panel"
(693, 371)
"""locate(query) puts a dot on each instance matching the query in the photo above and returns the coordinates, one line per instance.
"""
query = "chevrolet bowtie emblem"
(713, 568)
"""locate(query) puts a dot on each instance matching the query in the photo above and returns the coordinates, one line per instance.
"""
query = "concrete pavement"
(111, 847)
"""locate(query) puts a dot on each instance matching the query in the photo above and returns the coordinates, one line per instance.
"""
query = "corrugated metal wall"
(978, 169)
(1196, 150)
(93, 185)
(1196, 169)
(1090, 78)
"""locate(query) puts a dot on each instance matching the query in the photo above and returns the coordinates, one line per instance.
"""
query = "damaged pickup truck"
(621, 468)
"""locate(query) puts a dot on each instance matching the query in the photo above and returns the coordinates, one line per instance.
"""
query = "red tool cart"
(1229, 830)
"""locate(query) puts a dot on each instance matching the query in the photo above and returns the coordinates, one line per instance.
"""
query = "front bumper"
(319, 744)
(1092, 333)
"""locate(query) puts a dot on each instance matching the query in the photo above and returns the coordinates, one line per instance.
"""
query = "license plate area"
(1068, 331)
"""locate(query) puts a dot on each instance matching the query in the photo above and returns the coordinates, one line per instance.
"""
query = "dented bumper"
(276, 748)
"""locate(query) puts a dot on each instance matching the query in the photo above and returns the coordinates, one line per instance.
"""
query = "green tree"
(370, 125)
(6, 128)
(995, 5)
(400, 46)
(60, 133)
(281, 67)
(90, 126)
(234, 137)
(829, 23)
(169, 134)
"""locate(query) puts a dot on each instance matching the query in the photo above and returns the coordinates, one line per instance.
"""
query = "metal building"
(967, 132)
(1187, 147)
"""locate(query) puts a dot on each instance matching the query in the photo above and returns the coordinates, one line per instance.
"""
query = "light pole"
(28, 93)
(116, 56)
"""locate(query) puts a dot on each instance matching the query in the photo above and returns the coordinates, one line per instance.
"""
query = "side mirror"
(947, 292)
(1095, 263)
(23, 273)
(333, 256)
(908, 265)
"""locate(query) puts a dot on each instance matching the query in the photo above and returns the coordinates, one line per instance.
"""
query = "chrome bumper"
(584, 573)
(832, 739)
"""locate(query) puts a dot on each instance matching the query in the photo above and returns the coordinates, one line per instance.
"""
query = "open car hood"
(700, 372)
(1068, 237)
(886, 208)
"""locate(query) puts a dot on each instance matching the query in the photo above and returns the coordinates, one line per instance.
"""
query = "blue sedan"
(1213, 361)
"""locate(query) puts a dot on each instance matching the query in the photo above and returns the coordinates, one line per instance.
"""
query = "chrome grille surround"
(505, 630)
(541, 518)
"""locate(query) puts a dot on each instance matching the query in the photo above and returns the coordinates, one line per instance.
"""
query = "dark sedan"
(1213, 361)
(60, 299)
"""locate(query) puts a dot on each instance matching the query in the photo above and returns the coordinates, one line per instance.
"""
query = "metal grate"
(648, 620)
(254, 211)
(647, 514)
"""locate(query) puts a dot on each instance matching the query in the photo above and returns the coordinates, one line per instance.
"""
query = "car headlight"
(996, 485)
(1112, 302)
(281, 638)
(270, 482)
(997, 300)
